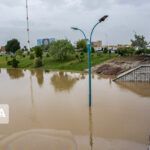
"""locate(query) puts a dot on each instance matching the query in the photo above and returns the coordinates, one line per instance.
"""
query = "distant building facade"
(3, 49)
(44, 42)
(97, 44)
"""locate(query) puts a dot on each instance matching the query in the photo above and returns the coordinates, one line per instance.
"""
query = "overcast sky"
(53, 18)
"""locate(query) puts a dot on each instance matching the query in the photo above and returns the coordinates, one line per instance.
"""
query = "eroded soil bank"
(120, 64)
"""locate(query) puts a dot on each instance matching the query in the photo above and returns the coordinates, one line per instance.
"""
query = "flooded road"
(49, 110)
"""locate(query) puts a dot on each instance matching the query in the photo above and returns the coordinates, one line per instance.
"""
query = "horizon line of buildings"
(96, 44)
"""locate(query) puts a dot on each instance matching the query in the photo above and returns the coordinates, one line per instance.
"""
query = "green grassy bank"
(49, 63)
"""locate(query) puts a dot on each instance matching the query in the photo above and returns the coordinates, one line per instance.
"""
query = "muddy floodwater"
(49, 111)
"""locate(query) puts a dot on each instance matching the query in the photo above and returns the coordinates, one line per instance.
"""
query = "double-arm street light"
(89, 46)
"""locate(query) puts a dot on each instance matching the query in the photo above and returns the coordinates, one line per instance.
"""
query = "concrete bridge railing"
(138, 74)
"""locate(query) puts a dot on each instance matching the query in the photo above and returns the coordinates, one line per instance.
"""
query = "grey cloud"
(53, 18)
(12, 3)
(133, 2)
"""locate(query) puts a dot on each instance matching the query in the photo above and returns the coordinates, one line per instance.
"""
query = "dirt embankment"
(120, 65)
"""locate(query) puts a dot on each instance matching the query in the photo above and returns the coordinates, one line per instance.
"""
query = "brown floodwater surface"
(49, 111)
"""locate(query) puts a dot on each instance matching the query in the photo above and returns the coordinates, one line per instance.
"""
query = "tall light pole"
(28, 30)
(89, 45)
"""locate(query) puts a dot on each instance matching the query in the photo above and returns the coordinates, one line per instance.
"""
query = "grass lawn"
(49, 63)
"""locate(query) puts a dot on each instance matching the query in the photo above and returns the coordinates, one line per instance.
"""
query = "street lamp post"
(89, 46)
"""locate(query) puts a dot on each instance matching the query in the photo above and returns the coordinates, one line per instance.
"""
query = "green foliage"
(47, 55)
(81, 44)
(31, 55)
(61, 49)
(38, 62)
(142, 51)
(25, 48)
(126, 51)
(38, 51)
(28, 53)
(14, 63)
(105, 50)
(47, 47)
(20, 52)
(147, 51)
(92, 50)
(99, 54)
(12, 45)
(139, 42)
(82, 56)
(70, 63)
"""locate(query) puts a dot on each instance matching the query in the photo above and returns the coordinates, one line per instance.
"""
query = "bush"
(24, 56)
(92, 50)
(38, 51)
(14, 63)
(38, 62)
(147, 51)
(31, 56)
(139, 52)
(47, 55)
(20, 52)
(105, 50)
(28, 53)
(99, 54)
(82, 56)
(126, 51)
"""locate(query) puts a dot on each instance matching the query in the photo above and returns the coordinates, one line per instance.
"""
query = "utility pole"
(28, 30)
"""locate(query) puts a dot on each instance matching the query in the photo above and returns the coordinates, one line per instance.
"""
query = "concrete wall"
(139, 74)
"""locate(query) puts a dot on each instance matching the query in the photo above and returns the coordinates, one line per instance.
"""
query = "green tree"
(81, 44)
(139, 42)
(38, 51)
(61, 49)
(12, 45)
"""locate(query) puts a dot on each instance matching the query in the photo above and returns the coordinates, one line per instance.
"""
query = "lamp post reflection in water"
(91, 127)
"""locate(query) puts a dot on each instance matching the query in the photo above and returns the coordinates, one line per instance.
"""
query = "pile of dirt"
(120, 65)
(107, 69)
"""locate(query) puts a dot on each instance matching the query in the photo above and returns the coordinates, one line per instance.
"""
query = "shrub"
(47, 55)
(77, 57)
(82, 56)
(20, 52)
(28, 53)
(126, 51)
(147, 51)
(38, 51)
(105, 50)
(92, 50)
(99, 54)
(14, 63)
(31, 56)
(139, 52)
(38, 62)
